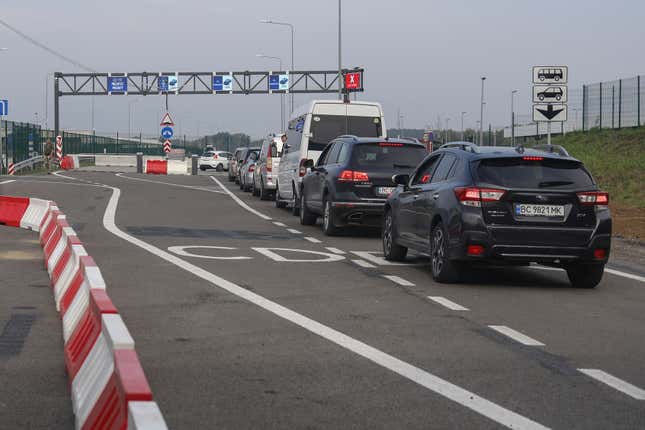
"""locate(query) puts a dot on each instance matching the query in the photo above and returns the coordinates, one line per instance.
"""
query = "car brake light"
(529, 158)
(598, 198)
(269, 164)
(302, 170)
(475, 250)
(354, 176)
(472, 196)
(251, 167)
(389, 144)
(599, 254)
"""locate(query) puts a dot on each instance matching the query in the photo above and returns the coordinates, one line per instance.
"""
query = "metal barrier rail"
(28, 163)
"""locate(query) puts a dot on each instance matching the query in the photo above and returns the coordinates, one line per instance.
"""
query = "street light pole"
(462, 125)
(513, 118)
(268, 21)
(340, 63)
(282, 124)
(481, 114)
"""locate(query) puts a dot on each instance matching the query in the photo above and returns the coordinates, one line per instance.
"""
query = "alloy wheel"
(438, 254)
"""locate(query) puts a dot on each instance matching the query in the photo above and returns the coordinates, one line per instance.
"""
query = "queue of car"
(461, 204)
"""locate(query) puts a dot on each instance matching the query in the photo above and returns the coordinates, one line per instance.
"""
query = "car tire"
(585, 275)
(295, 203)
(443, 269)
(278, 202)
(391, 250)
(255, 190)
(306, 216)
(558, 98)
(328, 225)
(264, 193)
(541, 97)
(202, 168)
(219, 168)
(230, 178)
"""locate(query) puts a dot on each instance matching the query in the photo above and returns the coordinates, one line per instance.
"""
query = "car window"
(425, 172)
(332, 158)
(294, 133)
(387, 156)
(325, 128)
(345, 153)
(518, 172)
(322, 160)
(442, 170)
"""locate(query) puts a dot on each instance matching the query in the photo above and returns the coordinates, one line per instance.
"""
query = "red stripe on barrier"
(44, 220)
(52, 242)
(87, 331)
(157, 167)
(60, 264)
(128, 383)
(50, 227)
(12, 209)
(75, 285)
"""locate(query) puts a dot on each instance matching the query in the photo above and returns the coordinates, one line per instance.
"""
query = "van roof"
(309, 107)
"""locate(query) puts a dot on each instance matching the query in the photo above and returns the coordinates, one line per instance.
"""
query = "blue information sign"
(4, 107)
(274, 82)
(167, 132)
(117, 84)
(162, 84)
(222, 83)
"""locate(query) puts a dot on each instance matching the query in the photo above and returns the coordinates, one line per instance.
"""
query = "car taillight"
(591, 198)
(269, 164)
(390, 144)
(251, 167)
(215, 157)
(302, 170)
(600, 253)
(473, 196)
(529, 158)
(475, 250)
(354, 176)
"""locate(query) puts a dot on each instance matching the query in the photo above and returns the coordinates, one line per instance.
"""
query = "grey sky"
(425, 57)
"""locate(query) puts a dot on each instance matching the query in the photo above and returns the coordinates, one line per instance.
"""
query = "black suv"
(352, 179)
(465, 204)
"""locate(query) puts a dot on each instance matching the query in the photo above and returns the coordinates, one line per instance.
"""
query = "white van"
(311, 128)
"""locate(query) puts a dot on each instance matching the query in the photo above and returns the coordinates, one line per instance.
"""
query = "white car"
(217, 160)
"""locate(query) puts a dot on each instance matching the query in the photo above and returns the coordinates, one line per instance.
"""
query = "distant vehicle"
(246, 169)
(466, 204)
(555, 74)
(235, 163)
(217, 160)
(311, 128)
(551, 93)
(266, 170)
(352, 178)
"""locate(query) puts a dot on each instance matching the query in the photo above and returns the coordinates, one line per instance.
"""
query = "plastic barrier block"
(12, 210)
(77, 298)
(36, 211)
(145, 416)
(49, 225)
(157, 167)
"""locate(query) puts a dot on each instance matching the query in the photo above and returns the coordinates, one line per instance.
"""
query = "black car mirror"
(401, 179)
(308, 164)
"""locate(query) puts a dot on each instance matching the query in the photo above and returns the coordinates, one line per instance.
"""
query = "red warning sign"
(353, 81)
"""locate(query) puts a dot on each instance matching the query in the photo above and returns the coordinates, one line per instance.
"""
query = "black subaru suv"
(466, 204)
(352, 179)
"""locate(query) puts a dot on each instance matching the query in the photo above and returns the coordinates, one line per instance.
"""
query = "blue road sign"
(167, 132)
(274, 82)
(162, 84)
(217, 83)
(117, 84)
(4, 107)
(222, 83)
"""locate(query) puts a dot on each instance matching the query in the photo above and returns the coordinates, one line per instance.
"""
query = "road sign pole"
(56, 108)
(548, 133)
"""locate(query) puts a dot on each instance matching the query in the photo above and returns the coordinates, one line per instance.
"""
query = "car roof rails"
(347, 136)
(552, 149)
(466, 146)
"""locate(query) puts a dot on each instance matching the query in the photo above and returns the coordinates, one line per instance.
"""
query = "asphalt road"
(235, 330)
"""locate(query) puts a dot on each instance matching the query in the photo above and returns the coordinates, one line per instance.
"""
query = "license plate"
(539, 210)
(384, 191)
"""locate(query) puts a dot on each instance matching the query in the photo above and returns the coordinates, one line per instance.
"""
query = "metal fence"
(614, 104)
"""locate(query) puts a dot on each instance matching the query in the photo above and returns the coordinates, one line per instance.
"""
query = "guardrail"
(28, 163)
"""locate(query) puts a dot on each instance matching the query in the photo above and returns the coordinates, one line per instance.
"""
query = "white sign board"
(550, 74)
(543, 112)
(550, 93)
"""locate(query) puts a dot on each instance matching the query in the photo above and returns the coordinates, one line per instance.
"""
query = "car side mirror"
(308, 164)
(401, 179)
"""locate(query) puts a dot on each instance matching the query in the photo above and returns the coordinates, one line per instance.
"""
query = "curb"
(108, 387)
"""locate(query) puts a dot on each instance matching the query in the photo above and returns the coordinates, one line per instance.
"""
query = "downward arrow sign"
(550, 113)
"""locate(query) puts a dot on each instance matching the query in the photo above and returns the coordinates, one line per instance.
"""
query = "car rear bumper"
(358, 213)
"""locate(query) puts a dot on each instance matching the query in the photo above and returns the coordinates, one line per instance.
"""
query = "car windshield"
(325, 128)
(517, 172)
(208, 154)
(387, 155)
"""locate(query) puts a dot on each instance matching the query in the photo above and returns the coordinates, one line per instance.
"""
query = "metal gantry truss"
(244, 82)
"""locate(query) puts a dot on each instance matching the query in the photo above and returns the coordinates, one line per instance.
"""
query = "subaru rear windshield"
(386, 155)
(325, 128)
(547, 173)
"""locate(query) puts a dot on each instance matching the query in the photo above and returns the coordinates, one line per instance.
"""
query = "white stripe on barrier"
(48, 219)
(145, 416)
(91, 379)
(116, 333)
(68, 273)
(176, 167)
(92, 280)
(58, 250)
(75, 163)
(34, 214)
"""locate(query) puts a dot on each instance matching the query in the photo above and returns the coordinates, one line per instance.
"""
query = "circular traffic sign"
(166, 132)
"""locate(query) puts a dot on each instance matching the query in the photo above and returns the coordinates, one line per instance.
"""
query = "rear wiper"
(403, 166)
(553, 183)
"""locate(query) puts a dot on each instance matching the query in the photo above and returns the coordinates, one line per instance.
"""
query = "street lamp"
(513, 118)
(481, 114)
(286, 24)
(462, 125)
(282, 125)
(130, 103)
(340, 60)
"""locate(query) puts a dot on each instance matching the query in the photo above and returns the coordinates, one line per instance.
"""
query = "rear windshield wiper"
(553, 183)
(403, 166)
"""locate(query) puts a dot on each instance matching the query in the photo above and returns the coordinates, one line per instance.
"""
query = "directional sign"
(550, 74)
(352, 81)
(166, 120)
(283, 82)
(117, 84)
(167, 146)
(167, 132)
(549, 93)
(222, 82)
(162, 84)
(4, 107)
(543, 112)
(173, 83)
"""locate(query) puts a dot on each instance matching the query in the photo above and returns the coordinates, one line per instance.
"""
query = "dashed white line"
(447, 303)
(312, 239)
(279, 224)
(294, 231)
(616, 383)
(399, 280)
(335, 250)
(363, 263)
(239, 201)
(8, 182)
(516, 335)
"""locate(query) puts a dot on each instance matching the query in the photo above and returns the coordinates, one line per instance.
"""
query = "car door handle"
(435, 196)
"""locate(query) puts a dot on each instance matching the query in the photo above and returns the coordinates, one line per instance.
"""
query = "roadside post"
(550, 95)
(194, 158)
(139, 162)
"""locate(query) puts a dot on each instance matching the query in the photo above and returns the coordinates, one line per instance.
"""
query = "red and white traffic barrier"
(12, 169)
(156, 167)
(108, 387)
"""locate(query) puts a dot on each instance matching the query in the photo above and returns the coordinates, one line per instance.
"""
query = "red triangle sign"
(166, 120)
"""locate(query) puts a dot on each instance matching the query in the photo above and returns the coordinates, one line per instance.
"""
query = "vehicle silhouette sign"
(550, 93)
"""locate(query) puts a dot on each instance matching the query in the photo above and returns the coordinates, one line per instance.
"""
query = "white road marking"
(616, 383)
(335, 250)
(363, 263)
(426, 379)
(294, 231)
(447, 303)
(170, 184)
(239, 201)
(8, 182)
(377, 259)
(399, 280)
(269, 252)
(279, 224)
(60, 175)
(516, 335)
(181, 250)
(625, 274)
(312, 239)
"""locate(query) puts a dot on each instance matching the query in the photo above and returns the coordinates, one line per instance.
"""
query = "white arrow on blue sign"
(4, 107)
(167, 132)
